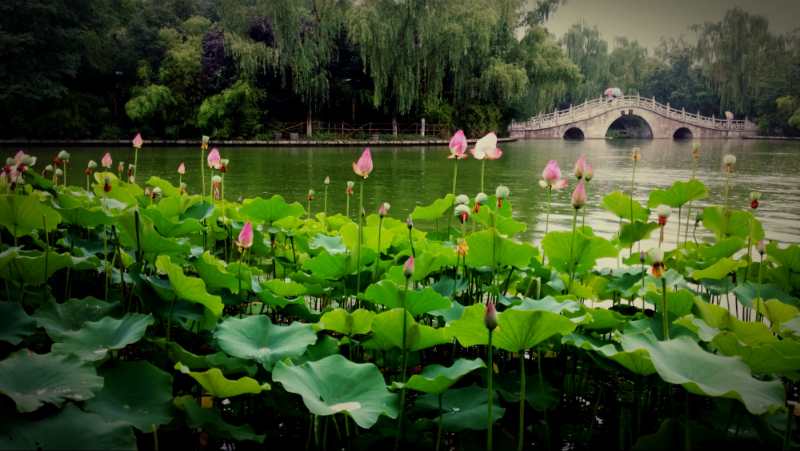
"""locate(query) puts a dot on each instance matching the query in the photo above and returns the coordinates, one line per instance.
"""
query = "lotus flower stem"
(483, 172)
(571, 248)
(439, 427)
(521, 440)
(678, 238)
(135, 162)
(489, 420)
(453, 204)
(400, 434)
(544, 412)
(360, 235)
(380, 227)
(347, 206)
(203, 170)
(547, 214)
(155, 436)
(664, 310)
(325, 201)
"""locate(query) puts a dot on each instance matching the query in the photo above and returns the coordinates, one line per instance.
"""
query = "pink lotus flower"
(580, 167)
(486, 147)
(458, 146)
(363, 166)
(138, 141)
(588, 172)
(106, 162)
(246, 236)
(181, 168)
(214, 159)
(551, 173)
(490, 317)
(579, 196)
(408, 267)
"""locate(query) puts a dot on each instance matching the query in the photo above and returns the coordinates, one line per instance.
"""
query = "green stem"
(202, 171)
(325, 202)
(135, 162)
(664, 310)
(360, 236)
(489, 420)
(439, 427)
(547, 214)
(483, 172)
(544, 412)
(678, 238)
(347, 204)
(453, 204)
(375, 271)
(521, 441)
(571, 249)
(400, 437)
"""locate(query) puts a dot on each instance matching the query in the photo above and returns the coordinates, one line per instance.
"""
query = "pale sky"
(647, 20)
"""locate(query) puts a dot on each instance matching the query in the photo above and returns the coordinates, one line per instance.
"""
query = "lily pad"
(418, 302)
(32, 380)
(586, 249)
(256, 338)
(719, 270)
(334, 385)
(359, 322)
(679, 194)
(270, 210)
(134, 393)
(434, 211)
(518, 330)
(506, 251)
(387, 329)
(437, 378)
(15, 324)
(210, 421)
(464, 408)
(621, 205)
(217, 385)
(188, 288)
(22, 215)
(59, 319)
(93, 341)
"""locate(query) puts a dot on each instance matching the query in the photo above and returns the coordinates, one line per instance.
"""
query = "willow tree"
(295, 39)
(628, 65)
(589, 52)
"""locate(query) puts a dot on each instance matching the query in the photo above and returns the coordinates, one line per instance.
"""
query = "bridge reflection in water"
(628, 116)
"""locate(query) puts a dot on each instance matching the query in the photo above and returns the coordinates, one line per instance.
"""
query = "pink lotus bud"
(383, 209)
(490, 317)
(486, 147)
(106, 161)
(137, 141)
(580, 167)
(214, 159)
(408, 267)
(246, 236)
(588, 172)
(551, 173)
(363, 167)
(458, 145)
(579, 196)
(181, 168)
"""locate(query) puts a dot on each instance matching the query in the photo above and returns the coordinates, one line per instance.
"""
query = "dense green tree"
(589, 52)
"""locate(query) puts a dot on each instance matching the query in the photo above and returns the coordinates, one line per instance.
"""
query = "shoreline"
(232, 142)
(775, 138)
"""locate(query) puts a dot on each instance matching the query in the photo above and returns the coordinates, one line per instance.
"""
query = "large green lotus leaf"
(171, 226)
(327, 266)
(723, 248)
(778, 312)
(341, 321)
(228, 365)
(93, 341)
(418, 302)
(210, 421)
(464, 408)
(325, 346)
(518, 330)
(636, 361)
(437, 378)
(77, 208)
(58, 319)
(216, 384)
(469, 330)
(332, 244)
(776, 357)
(682, 361)
(434, 211)
(506, 251)
(152, 243)
(270, 298)
(621, 204)
(29, 266)
(585, 250)
(269, 211)
(679, 194)
(602, 319)
(256, 338)
(188, 288)
(548, 304)
(32, 379)
(740, 223)
(433, 258)
(69, 429)
(679, 302)
(15, 324)
(698, 327)
(505, 224)
(8, 256)
(199, 209)
(134, 393)
(214, 273)
(387, 329)
(284, 288)
(123, 192)
(719, 270)
(22, 215)
(334, 384)
(748, 292)
(638, 231)
(788, 257)
(167, 188)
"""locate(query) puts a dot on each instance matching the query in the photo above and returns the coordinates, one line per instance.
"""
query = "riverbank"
(777, 138)
(232, 142)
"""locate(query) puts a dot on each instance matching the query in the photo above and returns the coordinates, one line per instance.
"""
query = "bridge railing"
(601, 105)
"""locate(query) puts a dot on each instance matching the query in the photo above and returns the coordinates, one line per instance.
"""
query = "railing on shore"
(601, 105)
(368, 130)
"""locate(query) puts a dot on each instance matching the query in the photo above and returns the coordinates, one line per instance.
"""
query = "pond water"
(410, 176)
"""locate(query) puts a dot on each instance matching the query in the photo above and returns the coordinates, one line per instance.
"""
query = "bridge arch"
(629, 125)
(574, 134)
(682, 133)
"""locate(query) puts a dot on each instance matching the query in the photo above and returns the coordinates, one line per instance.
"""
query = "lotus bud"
(106, 161)
(120, 167)
(579, 196)
(588, 173)
(551, 173)
(490, 317)
(755, 196)
(502, 192)
(383, 209)
(137, 141)
(91, 164)
(409, 222)
(204, 142)
(181, 168)
(663, 212)
(480, 199)
(636, 154)
(349, 188)
(486, 147)
(213, 159)
(761, 247)
(48, 169)
(458, 145)
(462, 199)
(580, 167)
(462, 211)
(327, 180)
(363, 167)
(729, 162)
(216, 187)
(155, 194)
(310, 195)
(657, 257)
(462, 248)
(246, 236)
(408, 267)
(223, 165)
(64, 155)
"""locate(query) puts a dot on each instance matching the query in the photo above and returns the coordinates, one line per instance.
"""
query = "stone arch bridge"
(628, 116)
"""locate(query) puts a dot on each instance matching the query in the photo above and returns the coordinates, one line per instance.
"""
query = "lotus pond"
(156, 314)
